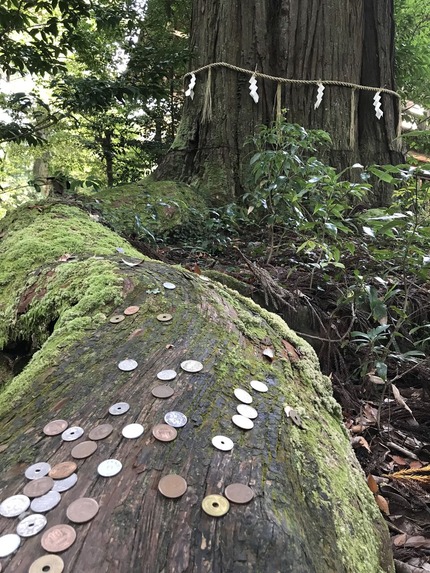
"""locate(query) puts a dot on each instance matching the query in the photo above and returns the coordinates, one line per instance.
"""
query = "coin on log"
(162, 391)
(73, 433)
(38, 487)
(166, 375)
(215, 505)
(239, 493)
(164, 432)
(109, 468)
(63, 470)
(242, 422)
(191, 366)
(127, 365)
(222, 443)
(14, 505)
(172, 486)
(31, 525)
(243, 396)
(175, 419)
(119, 408)
(47, 563)
(116, 318)
(84, 450)
(164, 317)
(82, 510)
(100, 432)
(132, 431)
(169, 286)
(247, 411)
(45, 502)
(58, 538)
(55, 427)
(37, 471)
(259, 386)
(9, 544)
(131, 310)
(61, 485)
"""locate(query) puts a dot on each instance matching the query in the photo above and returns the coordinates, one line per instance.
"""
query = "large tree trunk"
(345, 40)
(312, 511)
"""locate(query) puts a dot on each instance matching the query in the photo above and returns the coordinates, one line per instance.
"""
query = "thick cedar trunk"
(348, 40)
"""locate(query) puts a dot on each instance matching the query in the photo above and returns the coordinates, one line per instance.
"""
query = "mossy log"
(312, 511)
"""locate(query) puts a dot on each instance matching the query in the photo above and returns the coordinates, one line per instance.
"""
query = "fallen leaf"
(417, 541)
(373, 486)
(382, 504)
(359, 441)
(399, 399)
(65, 257)
(196, 269)
(399, 540)
(375, 379)
(399, 460)
(357, 429)
(415, 465)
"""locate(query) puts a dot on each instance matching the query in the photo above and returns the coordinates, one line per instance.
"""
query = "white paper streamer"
(320, 94)
(377, 105)
(190, 90)
(253, 89)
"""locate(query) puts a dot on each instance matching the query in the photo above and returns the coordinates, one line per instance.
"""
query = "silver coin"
(175, 419)
(259, 386)
(203, 278)
(191, 366)
(61, 485)
(31, 525)
(109, 468)
(45, 502)
(167, 375)
(243, 396)
(38, 470)
(222, 443)
(247, 411)
(242, 422)
(132, 431)
(14, 505)
(9, 543)
(127, 365)
(73, 433)
(169, 286)
(119, 408)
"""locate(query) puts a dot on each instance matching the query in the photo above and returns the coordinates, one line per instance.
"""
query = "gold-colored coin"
(164, 317)
(51, 563)
(116, 318)
(215, 505)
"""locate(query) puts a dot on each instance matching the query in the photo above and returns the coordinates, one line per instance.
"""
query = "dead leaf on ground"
(382, 504)
(373, 486)
(416, 465)
(399, 540)
(360, 442)
(66, 257)
(417, 541)
(399, 460)
(292, 353)
(399, 399)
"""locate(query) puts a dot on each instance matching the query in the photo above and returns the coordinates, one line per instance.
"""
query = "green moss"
(230, 282)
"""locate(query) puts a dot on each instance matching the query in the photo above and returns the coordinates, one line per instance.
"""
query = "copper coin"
(50, 563)
(84, 450)
(162, 391)
(215, 505)
(63, 470)
(238, 493)
(38, 487)
(164, 433)
(131, 310)
(164, 317)
(100, 432)
(82, 510)
(58, 538)
(116, 318)
(172, 486)
(55, 427)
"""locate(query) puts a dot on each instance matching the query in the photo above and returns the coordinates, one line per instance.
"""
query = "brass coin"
(62, 470)
(131, 310)
(164, 317)
(84, 450)
(100, 432)
(116, 318)
(58, 538)
(164, 433)
(55, 427)
(82, 510)
(38, 487)
(51, 563)
(215, 505)
(239, 493)
(172, 486)
(162, 391)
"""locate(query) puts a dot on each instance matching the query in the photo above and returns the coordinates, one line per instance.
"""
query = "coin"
(169, 286)
(65, 484)
(55, 427)
(38, 487)
(243, 396)
(109, 468)
(163, 391)
(9, 543)
(239, 493)
(31, 525)
(222, 443)
(164, 317)
(172, 486)
(119, 408)
(132, 431)
(37, 471)
(63, 470)
(100, 432)
(242, 422)
(175, 419)
(131, 310)
(164, 432)
(84, 450)
(116, 318)
(82, 510)
(51, 563)
(58, 538)
(215, 505)
(295, 417)
(166, 375)
(71, 434)
(127, 365)
(45, 502)
(259, 386)
(191, 366)
(247, 411)
(14, 505)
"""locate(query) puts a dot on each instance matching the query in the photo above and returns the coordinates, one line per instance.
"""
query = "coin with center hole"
(55, 427)
(82, 510)
(243, 396)
(38, 487)
(65, 484)
(166, 375)
(37, 471)
(215, 505)
(116, 318)
(14, 505)
(259, 386)
(247, 411)
(131, 310)
(164, 317)
(45, 502)
(239, 493)
(175, 419)
(84, 450)
(169, 286)
(63, 470)
(73, 433)
(163, 391)
(109, 468)
(119, 408)
(9, 544)
(100, 432)
(242, 422)
(191, 366)
(172, 486)
(222, 443)
(31, 525)
(127, 365)
(295, 417)
(58, 538)
(47, 563)
(164, 432)
(132, 431)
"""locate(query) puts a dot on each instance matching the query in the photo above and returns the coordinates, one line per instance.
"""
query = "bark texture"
(312, 512)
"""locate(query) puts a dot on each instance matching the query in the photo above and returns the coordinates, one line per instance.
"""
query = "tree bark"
(312, 510)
